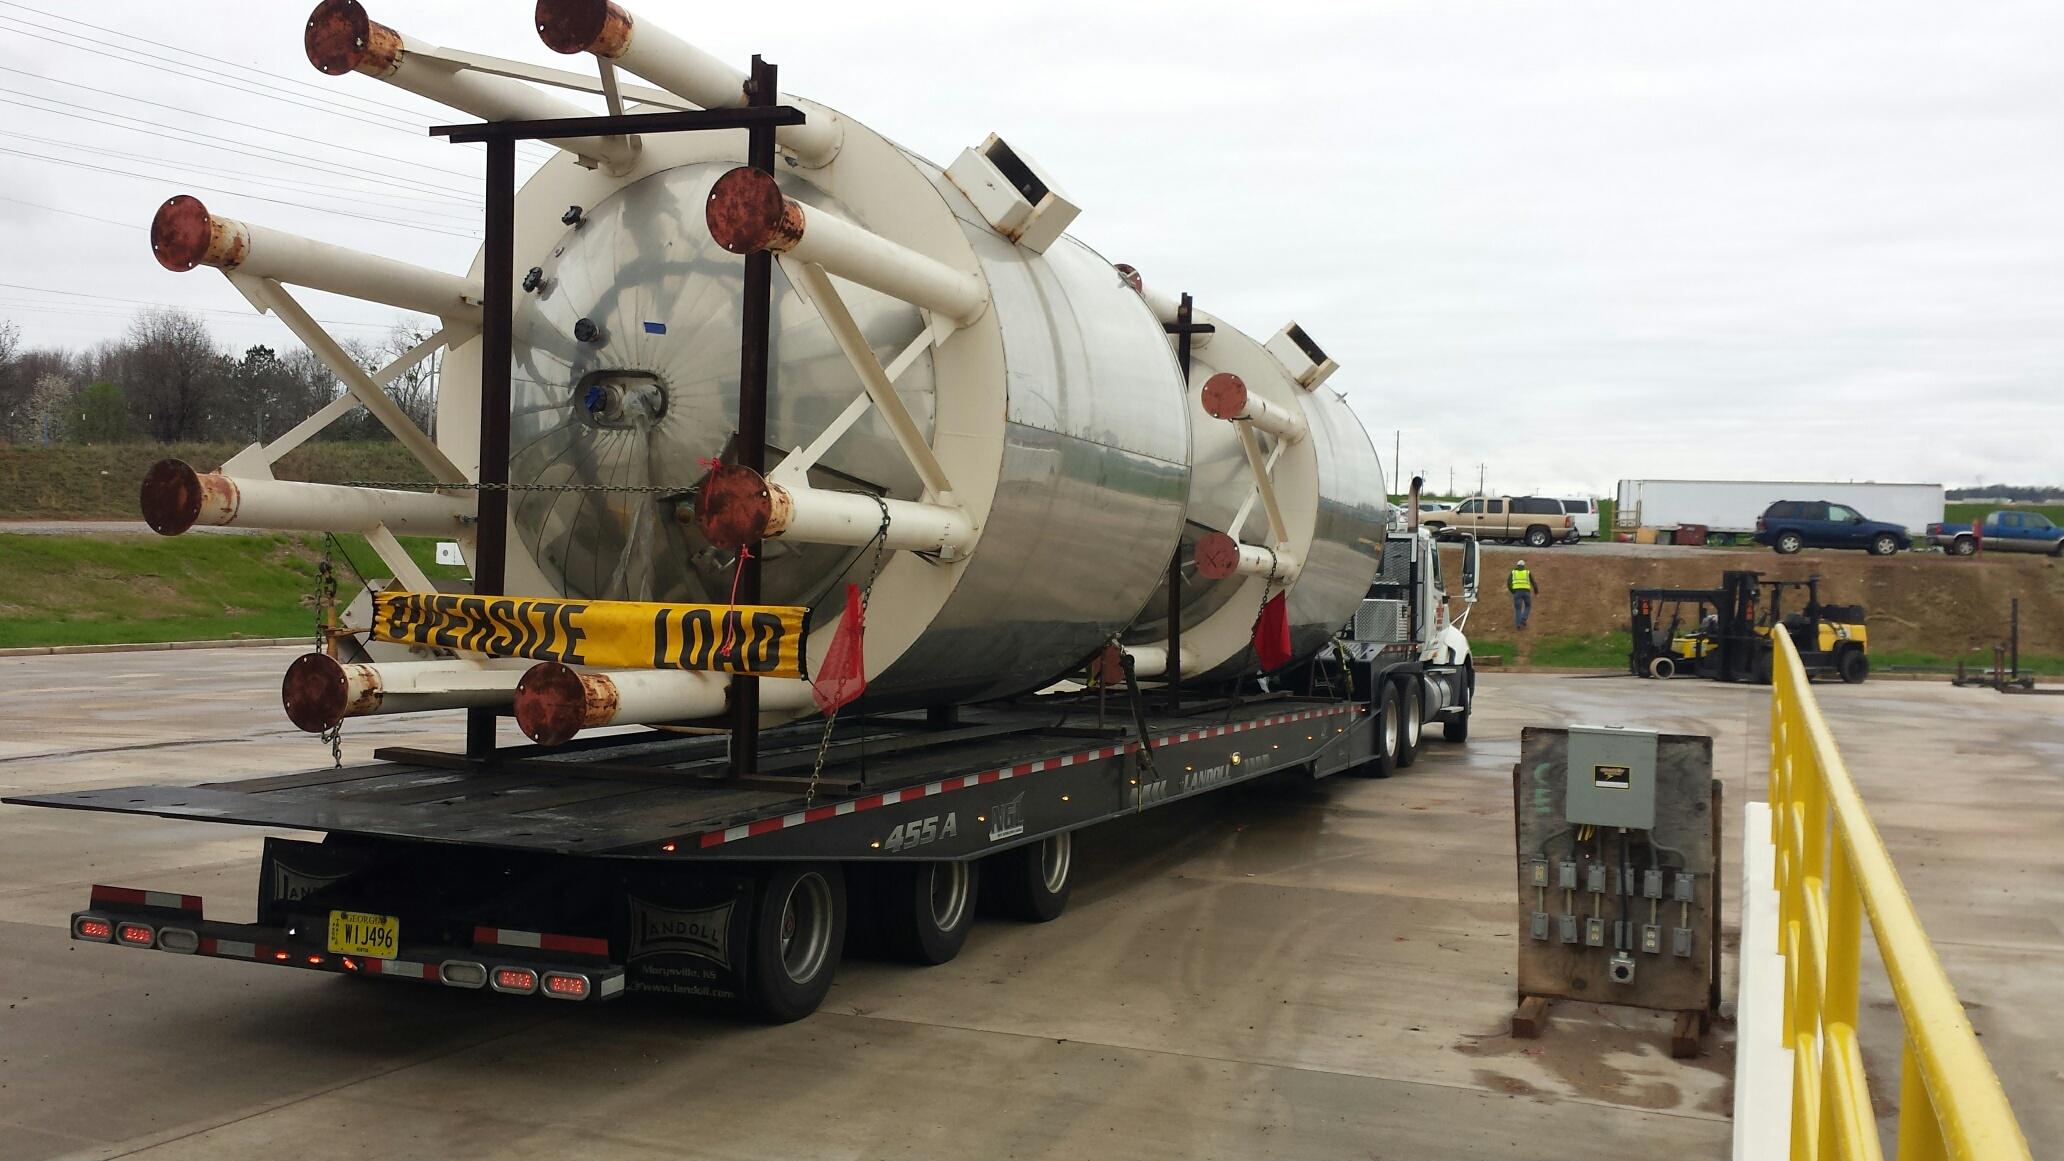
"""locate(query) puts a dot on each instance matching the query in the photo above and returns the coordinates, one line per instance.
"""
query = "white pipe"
(1166, 309)
(1220, 556)
(175, 498)
(319, 692)
(646, 49)
(1152, 660)
(341, 38)
(1226, 397)
(554, 702)
(816, 516)
(747, 213)
(185, 235)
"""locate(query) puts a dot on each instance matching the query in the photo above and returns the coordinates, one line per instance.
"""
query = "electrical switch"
(1594, 878)
(1680, 941)
(1652, 884)
(1538, 926)
(1569, 876)
(1569, 929)
(1685, 888)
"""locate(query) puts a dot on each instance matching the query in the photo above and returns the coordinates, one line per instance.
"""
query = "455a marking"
(918, 832)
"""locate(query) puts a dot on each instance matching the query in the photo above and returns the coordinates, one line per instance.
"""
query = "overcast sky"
(1575, 241)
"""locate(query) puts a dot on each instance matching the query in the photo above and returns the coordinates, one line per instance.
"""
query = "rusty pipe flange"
(734, 506)
(172, 497)
(571, 26)
(747, 213)
(1225, 396)
(341, 38)
(317, 692)
(1218, 556)
(184, 235)
(554, 702)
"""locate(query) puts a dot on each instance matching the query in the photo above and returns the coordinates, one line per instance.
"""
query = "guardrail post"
(1920, 1133)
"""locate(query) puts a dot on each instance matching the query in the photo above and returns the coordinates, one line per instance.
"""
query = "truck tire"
(1411, 721)
(1384, 763)
(1963, 546)
(1787, 543)
(924, 910)
(1884, 544)
(1538, 537)
(798, 931)
(1853, 665)
(1032, 882)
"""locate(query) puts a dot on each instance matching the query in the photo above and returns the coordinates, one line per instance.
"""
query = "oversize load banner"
(762, 640)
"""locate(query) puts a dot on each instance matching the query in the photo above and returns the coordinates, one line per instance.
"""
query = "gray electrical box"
(1612, 777)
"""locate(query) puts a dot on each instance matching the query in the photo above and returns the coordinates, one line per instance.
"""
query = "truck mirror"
(1471, 565)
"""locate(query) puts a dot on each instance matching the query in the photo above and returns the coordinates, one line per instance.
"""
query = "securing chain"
(433, 486)
(325, 611)
(1266, 585)
(880, 541)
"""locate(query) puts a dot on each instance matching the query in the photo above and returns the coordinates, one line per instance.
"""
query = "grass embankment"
(1958, 512)
(99, 482)
(101, 590)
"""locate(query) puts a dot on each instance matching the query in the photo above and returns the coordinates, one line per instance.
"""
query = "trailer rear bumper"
(510, 962)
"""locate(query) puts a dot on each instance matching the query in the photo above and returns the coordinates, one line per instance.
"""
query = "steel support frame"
(760, 117)
(1182, 328)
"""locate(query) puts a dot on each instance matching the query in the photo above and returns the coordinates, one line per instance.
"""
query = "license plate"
(361, 933)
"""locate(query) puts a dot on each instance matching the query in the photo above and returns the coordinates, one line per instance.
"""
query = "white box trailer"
(1734, 505)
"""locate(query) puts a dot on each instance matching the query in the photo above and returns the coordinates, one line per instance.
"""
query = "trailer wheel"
(1538, 537)
(1410, 723)
(1456, 729)
(1384, 763)
(799, 928)
(924, 910)
(1032, 882)
(1853, 666)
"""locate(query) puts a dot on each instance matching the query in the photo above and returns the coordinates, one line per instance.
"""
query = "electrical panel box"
(1612, 777)
(1629, 912)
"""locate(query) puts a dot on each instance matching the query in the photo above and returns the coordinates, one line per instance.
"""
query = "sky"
(1558, 244)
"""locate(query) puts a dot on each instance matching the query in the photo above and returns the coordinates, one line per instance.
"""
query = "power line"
(168, 306)
(289, 184)
(74, 213)
(187, 69)
(336, 167)
(239, 193)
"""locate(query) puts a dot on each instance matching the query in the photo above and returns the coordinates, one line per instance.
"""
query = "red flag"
(1272, 634)
(843, 676)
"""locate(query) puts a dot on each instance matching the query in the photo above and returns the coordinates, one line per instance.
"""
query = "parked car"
(2001, 532)
(1585, 513)
(1537, 520)
(1790, 525)
(1435, 506)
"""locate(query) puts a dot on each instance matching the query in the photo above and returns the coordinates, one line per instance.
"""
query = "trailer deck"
(668, 796)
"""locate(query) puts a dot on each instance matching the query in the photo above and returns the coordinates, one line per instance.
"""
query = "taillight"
(1759, 524)
(566, 986)
(135, 934)
(460, 973)
(179, 939)
(98, 930)
(516, 980)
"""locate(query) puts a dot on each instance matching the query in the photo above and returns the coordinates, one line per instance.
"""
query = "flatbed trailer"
(635, 863)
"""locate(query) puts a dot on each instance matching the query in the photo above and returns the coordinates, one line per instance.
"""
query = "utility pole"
(1451, 481)
(1479, 478)
(1397, 444)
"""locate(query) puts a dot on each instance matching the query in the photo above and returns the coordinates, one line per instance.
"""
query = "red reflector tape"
(105, 896)
(544, 941)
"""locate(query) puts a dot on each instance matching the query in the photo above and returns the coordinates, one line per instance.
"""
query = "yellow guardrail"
(1832, 872)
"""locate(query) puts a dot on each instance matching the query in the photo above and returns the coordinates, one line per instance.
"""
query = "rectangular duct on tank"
(1013, 194)
(1301, 357)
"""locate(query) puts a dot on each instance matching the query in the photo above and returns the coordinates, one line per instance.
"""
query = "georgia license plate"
(361, 933)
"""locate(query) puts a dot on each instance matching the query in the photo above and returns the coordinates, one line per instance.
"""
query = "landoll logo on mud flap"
(659, 930)
(1007, 819)
(290, 885)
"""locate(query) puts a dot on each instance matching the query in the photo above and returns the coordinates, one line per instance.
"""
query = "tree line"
(167, 379)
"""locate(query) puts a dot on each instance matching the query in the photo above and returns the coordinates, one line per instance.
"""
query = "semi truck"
(1730, 507)
(1028, 545)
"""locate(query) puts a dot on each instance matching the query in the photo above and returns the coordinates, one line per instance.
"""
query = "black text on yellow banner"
(762, 640)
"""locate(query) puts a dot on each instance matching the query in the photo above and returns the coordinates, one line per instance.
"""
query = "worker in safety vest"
(1523, 586)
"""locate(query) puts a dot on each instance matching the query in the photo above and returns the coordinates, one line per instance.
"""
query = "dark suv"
(1790, 525)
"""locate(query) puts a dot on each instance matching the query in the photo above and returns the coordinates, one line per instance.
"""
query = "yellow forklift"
(1724, 633)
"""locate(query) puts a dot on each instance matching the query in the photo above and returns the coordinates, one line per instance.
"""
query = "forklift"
(1724, 633)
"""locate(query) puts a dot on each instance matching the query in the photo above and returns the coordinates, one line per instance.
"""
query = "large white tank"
(945, 361)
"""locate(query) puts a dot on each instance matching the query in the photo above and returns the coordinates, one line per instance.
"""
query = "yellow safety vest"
(1522, 581)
